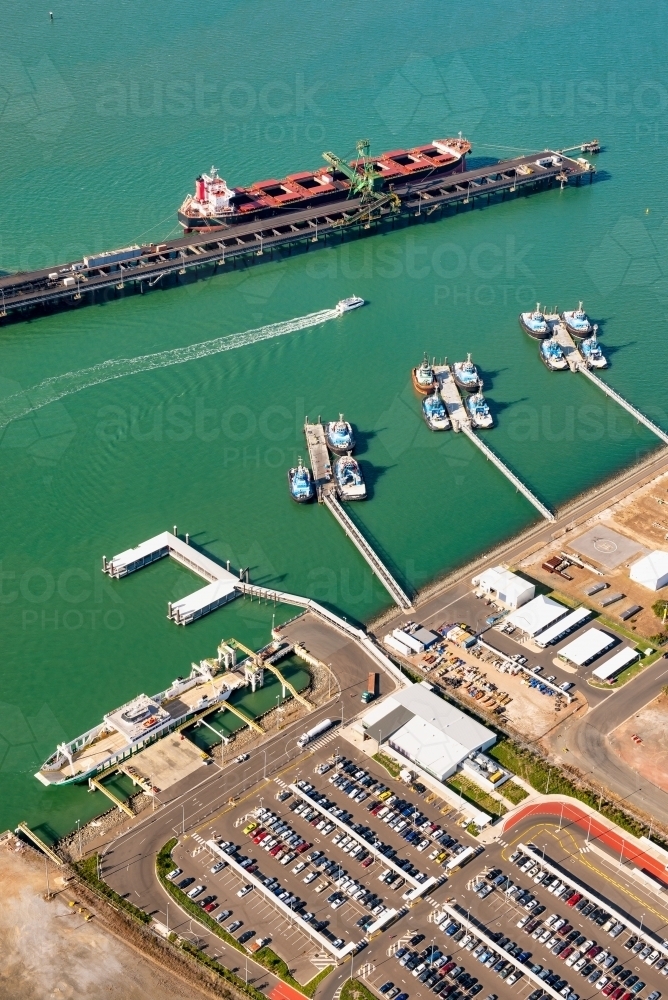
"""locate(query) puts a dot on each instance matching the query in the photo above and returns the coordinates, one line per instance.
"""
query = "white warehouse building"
(652, 570)
(426, 730)
(506, 587)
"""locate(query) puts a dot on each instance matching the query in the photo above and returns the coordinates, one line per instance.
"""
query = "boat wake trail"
(52, 389)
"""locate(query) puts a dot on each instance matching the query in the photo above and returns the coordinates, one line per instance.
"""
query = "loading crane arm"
(365, 183)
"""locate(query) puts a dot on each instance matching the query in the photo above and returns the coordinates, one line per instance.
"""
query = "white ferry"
(345, 305)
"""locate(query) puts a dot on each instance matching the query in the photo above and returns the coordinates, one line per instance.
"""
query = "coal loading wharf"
(140, 268)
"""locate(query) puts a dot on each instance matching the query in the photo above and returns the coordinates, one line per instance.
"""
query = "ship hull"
(577, 334)
(533, 333)
(474, 386)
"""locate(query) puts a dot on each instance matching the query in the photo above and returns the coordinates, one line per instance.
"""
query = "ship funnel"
(200, 189)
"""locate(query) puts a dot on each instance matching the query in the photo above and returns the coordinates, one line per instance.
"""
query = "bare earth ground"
(50, 951)
(649, 758)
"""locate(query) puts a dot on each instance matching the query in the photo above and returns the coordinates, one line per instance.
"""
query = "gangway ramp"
(367, 553)
(38, 842)
(93, 783)
(242, 715)
(286, 684)
(640, 417)
(517, 483)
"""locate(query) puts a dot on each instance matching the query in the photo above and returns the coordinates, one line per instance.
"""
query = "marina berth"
(534, 323)
(577, 322)
(348, 477)
(478, 411)
(552, 355)
(339, 436)
(301, 485)
(424, 377)
(435, 413)
(466, 375)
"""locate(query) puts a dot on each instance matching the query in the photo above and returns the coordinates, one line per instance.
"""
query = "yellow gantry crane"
(265, 665)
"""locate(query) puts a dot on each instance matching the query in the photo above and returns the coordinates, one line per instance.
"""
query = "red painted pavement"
(618, 844)
(285, 992)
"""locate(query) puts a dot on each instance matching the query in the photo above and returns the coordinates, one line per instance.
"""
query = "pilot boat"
(466, 375)
(552, 355)
(435, 413)
(478, 410)
(577, 322)
(345, 305)
(348, 478)
(339, 436)
(534, 323)
(301, 483)
(592, 353)
(424, 379)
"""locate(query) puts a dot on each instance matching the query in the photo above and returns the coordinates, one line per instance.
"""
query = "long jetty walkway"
(640, 417)
(461, 422)
(74, 284)
(326, 490)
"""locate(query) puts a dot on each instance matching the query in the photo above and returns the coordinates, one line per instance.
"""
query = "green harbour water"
(106, 117)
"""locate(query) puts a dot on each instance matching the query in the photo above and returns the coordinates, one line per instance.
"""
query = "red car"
(367, 861)
(257, 835)
(303, 847)
(260, 837)
(607, 990)
(574, 899)
(376, 809)
(565, 953)
(593, 951)
(210, 907)
(618, 993)
(566, 929)
(274, 851)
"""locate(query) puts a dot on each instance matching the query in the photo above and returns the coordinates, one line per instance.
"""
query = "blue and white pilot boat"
(301, 484)
(348, 478)
(339, 436)
(478, 411)
(435, 413)
(466, 375)
(592, 353)
(535, 324)
(552, 355)
(577, 322)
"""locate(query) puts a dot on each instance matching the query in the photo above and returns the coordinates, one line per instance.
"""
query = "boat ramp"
(326, 490)
(460, 421)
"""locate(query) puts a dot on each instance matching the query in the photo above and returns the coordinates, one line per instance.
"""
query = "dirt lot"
(642, 518)
(50, 951)
(649, 757)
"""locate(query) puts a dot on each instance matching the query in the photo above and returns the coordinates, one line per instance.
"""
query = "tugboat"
(478, 411)
(348, 478)
(435, 413)
(339, 436)
(552, 355)
(577, 322)
(424, 379)
(345, 305)
(592, 353)
(466, 375)
(301, 484)
(535, 324)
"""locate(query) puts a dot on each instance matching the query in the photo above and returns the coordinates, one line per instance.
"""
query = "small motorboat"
(552, 355)
(424, 378)
(348, 478)
(478, 411)
(301, 484)
(592, 353)
(466, 375)
(534, 323)
(339, 436)
(345, 305)
(577, 322)
(435, 413)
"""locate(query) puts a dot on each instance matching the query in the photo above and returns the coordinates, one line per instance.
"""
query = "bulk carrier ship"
(215, 205)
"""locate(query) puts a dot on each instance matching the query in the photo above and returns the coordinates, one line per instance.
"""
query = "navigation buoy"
(51, 15)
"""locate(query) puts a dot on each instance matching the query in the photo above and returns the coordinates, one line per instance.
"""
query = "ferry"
(130, 728)
(339, 436)
(345, 305)
(592, 353)
(478, 411)
(577, 322)
(350, 484)
(534, 323)
(552, 355)
(435, 413)
(301, 483)
(466, 375)
(424, 379)
(215, 205)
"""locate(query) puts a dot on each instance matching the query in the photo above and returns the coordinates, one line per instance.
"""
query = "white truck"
(322, 727)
